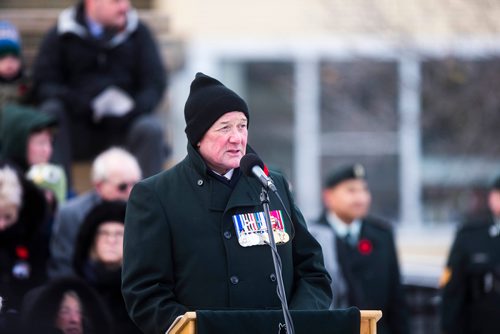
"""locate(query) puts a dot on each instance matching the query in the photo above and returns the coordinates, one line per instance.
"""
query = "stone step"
(34, 23)
(37, 4)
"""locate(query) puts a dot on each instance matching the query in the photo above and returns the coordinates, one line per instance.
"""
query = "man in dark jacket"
(471, 281)
(359, 251)
(100, 72)
(184, 249)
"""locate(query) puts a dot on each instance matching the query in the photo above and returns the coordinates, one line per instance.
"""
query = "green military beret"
(344, 173)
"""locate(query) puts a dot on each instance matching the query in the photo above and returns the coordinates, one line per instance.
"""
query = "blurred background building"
(408, 88)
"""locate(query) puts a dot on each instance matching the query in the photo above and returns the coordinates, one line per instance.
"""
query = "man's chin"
(234, 163)
(117, 25)
(73, 330)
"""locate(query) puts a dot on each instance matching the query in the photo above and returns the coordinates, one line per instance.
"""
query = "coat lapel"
(245, 194)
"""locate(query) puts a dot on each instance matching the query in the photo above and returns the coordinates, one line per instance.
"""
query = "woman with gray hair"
(22, 209)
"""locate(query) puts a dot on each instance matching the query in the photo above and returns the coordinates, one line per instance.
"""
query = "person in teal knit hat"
(13, 82)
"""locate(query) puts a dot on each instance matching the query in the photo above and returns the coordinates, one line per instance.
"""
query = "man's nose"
(235, 136)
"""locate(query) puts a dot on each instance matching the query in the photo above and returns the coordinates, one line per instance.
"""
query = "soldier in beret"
(359, 251)
(471, 281)
(192, 237)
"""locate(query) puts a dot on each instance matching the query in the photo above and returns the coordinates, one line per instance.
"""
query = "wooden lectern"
(187, 323)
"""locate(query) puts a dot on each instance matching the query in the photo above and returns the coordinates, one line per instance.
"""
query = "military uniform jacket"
(181, 251)
(370, 271)
(471, 292)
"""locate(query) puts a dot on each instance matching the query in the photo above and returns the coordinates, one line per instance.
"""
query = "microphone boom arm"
(264, 199)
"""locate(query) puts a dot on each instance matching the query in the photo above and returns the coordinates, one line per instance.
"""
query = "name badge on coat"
(252, 230)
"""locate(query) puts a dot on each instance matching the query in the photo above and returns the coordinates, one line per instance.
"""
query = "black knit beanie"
(208, 100)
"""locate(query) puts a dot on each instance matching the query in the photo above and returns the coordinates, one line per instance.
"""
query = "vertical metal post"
(410, 155)
(307, 146)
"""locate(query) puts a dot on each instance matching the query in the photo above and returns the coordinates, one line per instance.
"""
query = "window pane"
(460, 117)
(359, 123)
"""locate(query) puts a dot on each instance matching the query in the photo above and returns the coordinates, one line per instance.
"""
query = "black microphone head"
(249, 161)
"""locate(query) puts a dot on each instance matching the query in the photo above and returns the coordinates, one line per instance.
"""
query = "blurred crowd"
(91, 95)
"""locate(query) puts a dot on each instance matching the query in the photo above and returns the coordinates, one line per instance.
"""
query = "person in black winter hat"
(208, 100)
(182, 249)
(98, 258)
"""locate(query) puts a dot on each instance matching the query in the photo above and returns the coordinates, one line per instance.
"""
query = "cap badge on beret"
(359, 171)
(349, 172)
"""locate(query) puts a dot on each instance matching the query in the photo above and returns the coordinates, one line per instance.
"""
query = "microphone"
(252, 165)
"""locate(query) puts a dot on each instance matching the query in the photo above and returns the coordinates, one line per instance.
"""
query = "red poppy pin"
(266, 170)
(365, 246)
(22, 252)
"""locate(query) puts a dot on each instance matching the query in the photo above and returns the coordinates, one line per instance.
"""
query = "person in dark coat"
(359, 251)
(98, 259)
(471, 281)
(23, 250)
(65, 306)
(100, 72)
(192, 241)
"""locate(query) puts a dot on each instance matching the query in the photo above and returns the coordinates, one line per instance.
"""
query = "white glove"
(113, 101)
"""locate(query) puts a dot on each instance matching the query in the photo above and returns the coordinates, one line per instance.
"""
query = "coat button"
(272, 277)
(200, 182)
(234, 280)
(227, 235)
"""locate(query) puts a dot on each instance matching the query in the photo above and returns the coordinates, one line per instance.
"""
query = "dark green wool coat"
(181, 250)
(471, 297)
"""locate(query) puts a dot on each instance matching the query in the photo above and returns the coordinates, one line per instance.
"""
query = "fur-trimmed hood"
(42, 304)
(70, 21)
(101, 213)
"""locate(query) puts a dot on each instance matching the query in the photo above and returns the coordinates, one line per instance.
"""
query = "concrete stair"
(34, 4)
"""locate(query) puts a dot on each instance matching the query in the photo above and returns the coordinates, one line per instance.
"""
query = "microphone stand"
(264, 199)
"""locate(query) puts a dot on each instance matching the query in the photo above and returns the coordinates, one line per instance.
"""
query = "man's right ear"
(98, 185)
(326, 196)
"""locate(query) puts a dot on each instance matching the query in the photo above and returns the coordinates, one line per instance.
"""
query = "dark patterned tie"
(349, 239)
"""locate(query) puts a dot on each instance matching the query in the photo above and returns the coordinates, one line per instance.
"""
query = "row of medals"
(247, 239)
